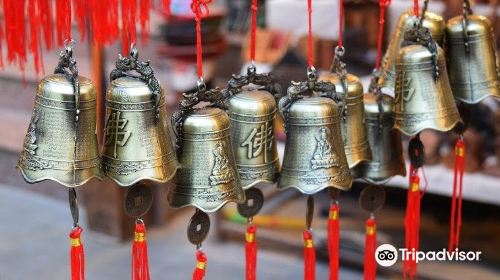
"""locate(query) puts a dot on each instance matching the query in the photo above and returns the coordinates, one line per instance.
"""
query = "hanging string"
(333, 240)
(140, 264)
(253, 29)
(310, 58)
(383, 4)
(200, 9)
(415, 8)
(63, 21)
(251, 252)
(456, 198)
(370, 270)
(201, 265)
(309, 256)
(341, 24)
(77, 257)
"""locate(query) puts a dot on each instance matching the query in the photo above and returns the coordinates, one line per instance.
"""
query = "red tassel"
(81, 8)
(144, 19)
(1, 37)
(166, 7)
(251, 252)
(128, 32)
(412, 223)
(456, 198)
(140, 266)
(35, 23)
(370, 272)
(45, 11)
(77, 255)
(201, 266)
(15, 31)
(309, 256)
(63, 20)
(333, 241)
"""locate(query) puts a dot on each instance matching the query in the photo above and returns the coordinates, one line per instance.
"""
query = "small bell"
(137, 143)
(314, 153)
(61, 143)
(472, 58)
(207, 177)
(407, 21)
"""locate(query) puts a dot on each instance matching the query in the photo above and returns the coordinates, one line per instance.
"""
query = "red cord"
(200, 9)
(35, 23)
(456, 198)
(383, 4)
(412, 223)
(310, 58)
(309, 256)
(255, 8)
(415, 8)
(251, 252)
(77, 256)
(63, 21)
(201, 266)
(333, 240)
(370, 271)
(341, 24)
(166, 6)
(140, 265)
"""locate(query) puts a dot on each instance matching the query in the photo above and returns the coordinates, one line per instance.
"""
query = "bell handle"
(466, 11)
(266, 80)
(67, 67)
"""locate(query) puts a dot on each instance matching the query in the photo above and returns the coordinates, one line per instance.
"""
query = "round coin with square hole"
(138, 200)
(253, 203)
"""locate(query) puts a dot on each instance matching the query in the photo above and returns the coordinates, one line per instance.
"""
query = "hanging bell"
(314, 153)
(137, 143)
(252, 114)
(407, 21)
(61, 143)
(207, 177)
(355, 139)
(385, 142)
(472, 58)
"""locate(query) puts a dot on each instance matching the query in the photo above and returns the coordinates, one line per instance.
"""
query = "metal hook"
(200, 84)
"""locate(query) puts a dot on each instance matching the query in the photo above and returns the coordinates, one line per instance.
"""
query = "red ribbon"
(309, 256)
(77, 257)
(251, 252)
(201, 266)
(370, 271)
(253, 29)
(341, 24)
(415, 8)
(333, 240)
(200, 10)
(456, 198)
(310, 59)
(412, 222)
(383, 4)
(140, 264)
(63, 21)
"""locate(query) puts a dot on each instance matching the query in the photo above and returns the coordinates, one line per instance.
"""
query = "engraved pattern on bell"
(421, 102)
(433, 22)
(314, 156)
(136, 145)
(49, 147)
(252, 115)
(207, 177)
(355, 139)
(385, 142)
(472, 69)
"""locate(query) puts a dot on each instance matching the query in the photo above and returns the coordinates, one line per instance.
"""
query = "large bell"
(314, 153)
(385, 142)
(354, 134)
(472, 58)
(423, 97)
(407, 20)
(137, 143)
(61, 143)
(207, 177)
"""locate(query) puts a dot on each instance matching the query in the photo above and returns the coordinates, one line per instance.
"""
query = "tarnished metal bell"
(61, 143)
(354, 134)
(472, 58)
(407, 20)
(385, 142)
(137, 145)
(252, 114)
(423, 97)
(314, 153)
(207, 177)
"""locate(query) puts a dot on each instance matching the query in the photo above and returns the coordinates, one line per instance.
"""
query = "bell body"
(421, 102)
(49, 150)
(207, 177)
(473, 71)
(353, 127)
(385, 142)
(433, 22)
(252, 115)
(314, 156)
(136, 146)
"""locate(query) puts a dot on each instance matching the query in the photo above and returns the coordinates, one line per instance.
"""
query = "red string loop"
(200, 10)
(383, 4)
(310, 59)
(253, 29)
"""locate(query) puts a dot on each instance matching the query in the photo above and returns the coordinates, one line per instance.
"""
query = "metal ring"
(339, 51)
(200, 84)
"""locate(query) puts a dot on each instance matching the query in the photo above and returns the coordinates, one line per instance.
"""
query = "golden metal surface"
(433, 22)
(353, 127)
(472, 58)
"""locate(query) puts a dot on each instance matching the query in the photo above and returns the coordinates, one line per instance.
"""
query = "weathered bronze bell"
(407, 20)
(472, 59)
(353, 127)
(207, 177)
(385, 142)
(137, 145)
(314, 153)
(61, 143)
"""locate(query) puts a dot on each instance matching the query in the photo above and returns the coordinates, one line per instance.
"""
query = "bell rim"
(431, 127)
(152, 179)
(317, 190)
(260, 181)
(28, 180)
(383, 180)
(475, 101)
(211, 210)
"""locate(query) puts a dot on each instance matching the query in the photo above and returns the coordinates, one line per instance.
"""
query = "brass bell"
(355, 139)
(314, 153)
(137, 143)
(61, 143)
(472, 58)
(252, 114)
(207, 177)
(385, 142)
(407, 20)
(423, 97)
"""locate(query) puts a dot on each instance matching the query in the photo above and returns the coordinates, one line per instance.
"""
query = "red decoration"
(412, 222)
(456, 199)
(415, 8)
(309, 256)
(63, 21)
(310, 59)
(77, 254)
(200, 9)
(341, 24)
(370, 272)
(140, 266)
(166, 6)
(333, 240)
(253, 29)
(251, 252)
(201, 266)
(144, 18)
(15, 31)
(383, 4)
(45, 13)
(128, 32)
(35, 22)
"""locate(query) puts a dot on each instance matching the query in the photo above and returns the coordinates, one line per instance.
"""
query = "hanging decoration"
(333, 238)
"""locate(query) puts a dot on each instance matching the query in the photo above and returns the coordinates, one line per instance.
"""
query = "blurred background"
(35, 219)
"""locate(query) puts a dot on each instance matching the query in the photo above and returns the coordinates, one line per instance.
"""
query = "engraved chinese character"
(259, 140)
(115, 127)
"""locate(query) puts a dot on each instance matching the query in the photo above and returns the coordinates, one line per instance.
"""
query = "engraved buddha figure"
(324, 156)
(221, 172)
